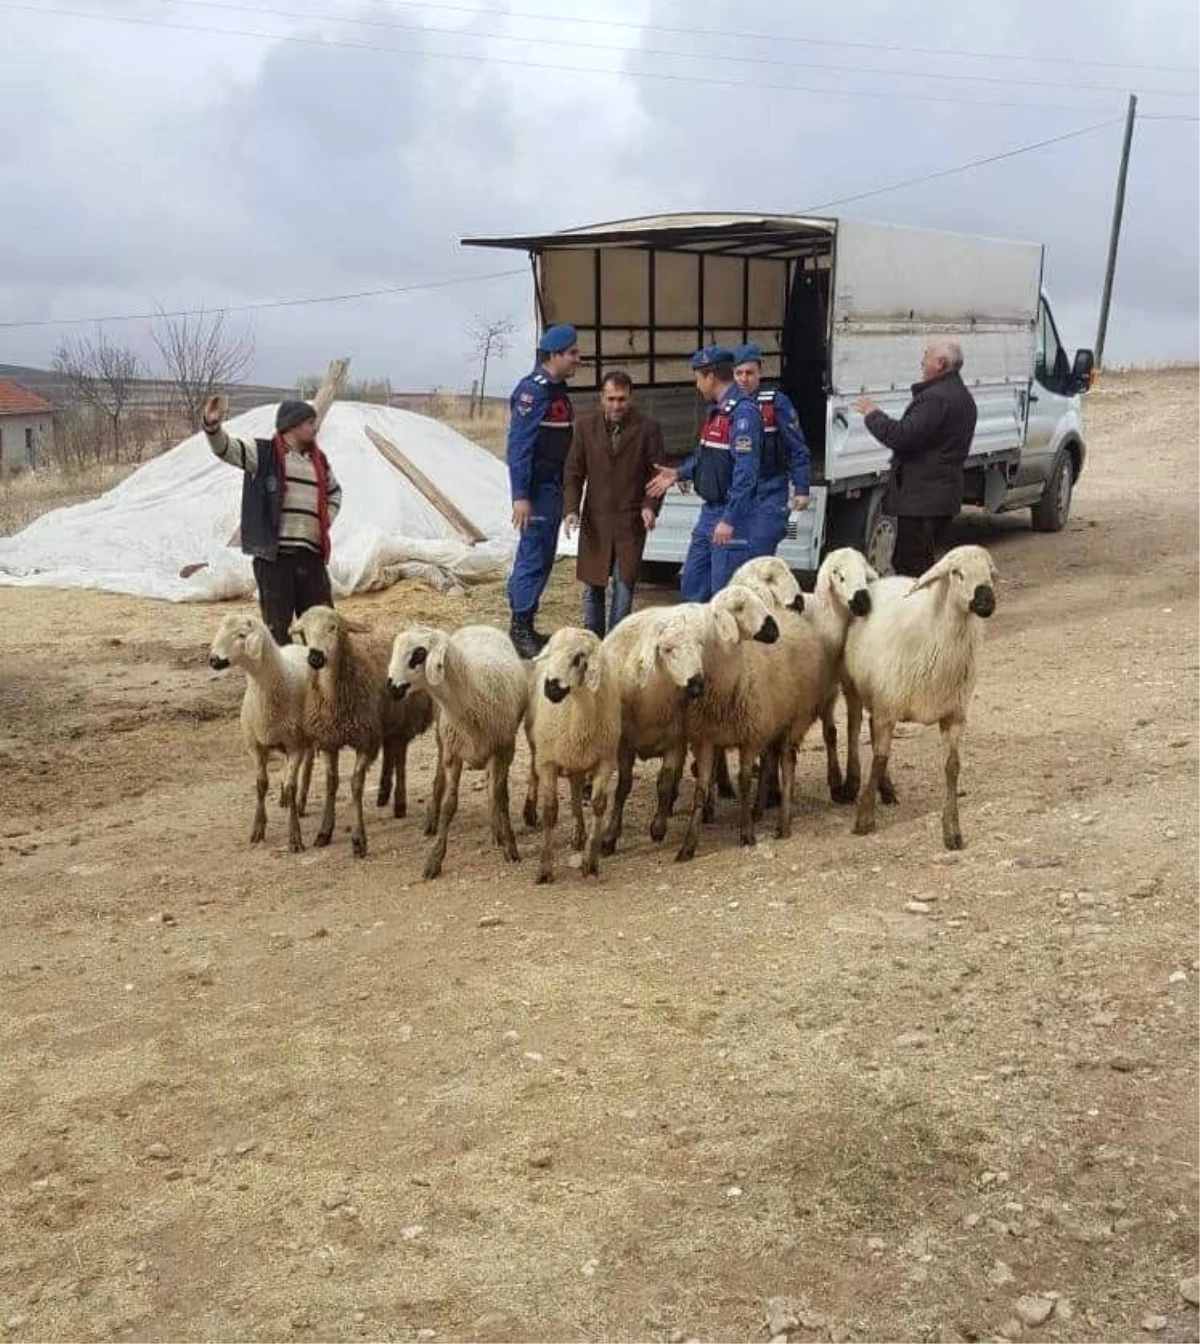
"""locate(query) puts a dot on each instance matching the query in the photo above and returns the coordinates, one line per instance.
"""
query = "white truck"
(841, 309)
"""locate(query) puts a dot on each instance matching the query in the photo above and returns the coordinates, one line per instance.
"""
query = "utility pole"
(1115, 233)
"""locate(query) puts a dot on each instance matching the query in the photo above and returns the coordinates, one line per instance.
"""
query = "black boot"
(526, 640)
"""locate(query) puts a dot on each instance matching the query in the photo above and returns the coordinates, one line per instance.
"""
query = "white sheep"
(913, 660)
(481, 689)
(272, 713)
(745, 700)
(843, 591)
(659, 662)
(346, 704)
(573, 726)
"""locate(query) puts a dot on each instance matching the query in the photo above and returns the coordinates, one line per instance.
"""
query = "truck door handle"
(1033, 396)
(841, 418)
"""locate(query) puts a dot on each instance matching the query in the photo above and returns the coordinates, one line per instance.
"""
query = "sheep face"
(239, 641)
(569, 661)
(418, 660)
(320, 630)
(846, 578)
(969, 575)
(739, 614)
(676, 645)
(769, 578)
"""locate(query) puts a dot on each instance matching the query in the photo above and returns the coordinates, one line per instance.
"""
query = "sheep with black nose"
(346, 705)
(272, 713)
(573, 726)
(481, 689)
(913, 659)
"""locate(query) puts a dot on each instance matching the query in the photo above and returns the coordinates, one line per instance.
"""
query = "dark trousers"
(288, 586)
(917, 540)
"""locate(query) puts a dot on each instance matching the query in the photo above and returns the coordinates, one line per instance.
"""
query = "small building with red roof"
(26, 427)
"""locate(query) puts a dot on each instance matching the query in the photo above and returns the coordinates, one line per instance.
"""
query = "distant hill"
(148, 392)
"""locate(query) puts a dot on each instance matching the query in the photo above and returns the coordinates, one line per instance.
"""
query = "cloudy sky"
(188, 152)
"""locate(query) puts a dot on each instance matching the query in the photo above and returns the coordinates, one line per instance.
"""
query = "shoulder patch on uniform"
(744, 444)
(540, 378)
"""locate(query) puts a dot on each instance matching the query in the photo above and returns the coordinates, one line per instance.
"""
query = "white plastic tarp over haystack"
(181, 510)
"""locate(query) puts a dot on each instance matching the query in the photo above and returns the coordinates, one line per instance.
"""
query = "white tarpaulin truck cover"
(182, 509)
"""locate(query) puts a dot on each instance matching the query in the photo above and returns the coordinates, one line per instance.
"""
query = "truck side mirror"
(1082, 370)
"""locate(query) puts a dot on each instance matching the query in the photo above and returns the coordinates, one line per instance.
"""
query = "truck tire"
(1051, 512)
(862, 523)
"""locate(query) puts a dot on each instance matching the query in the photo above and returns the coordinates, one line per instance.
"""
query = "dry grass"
(28, 495)
(488, 429)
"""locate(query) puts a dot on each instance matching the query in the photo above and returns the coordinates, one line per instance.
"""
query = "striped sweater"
(299, 527)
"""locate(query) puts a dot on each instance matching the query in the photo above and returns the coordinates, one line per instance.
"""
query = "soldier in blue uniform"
(539, 434)
(724, 469)
(784, 456)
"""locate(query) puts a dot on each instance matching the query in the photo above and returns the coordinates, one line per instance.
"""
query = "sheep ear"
(727, 630)
(435, 665)
(591, 677)
(254, 645)
(934, 574)
(872, 576)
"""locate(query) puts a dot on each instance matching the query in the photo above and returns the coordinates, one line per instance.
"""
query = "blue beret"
(748, 354)
(554, 340)
(709, 355)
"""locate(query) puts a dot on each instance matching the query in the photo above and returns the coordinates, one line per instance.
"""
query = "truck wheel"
(1051, 512)
(862, 523)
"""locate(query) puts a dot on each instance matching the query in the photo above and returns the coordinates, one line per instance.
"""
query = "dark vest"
(774, 461)
(262, 504)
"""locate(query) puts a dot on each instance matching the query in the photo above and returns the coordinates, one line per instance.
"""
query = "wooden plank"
(445, 506)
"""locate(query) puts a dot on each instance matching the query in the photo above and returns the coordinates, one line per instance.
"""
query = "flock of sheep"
(753, 669)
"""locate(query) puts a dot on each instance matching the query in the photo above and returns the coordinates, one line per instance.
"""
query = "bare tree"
(488, 338)
(201, 355)
(99, 375)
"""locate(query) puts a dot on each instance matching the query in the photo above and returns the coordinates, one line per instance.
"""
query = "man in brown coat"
(613, 452)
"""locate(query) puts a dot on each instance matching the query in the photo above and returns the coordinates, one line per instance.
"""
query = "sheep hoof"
(953, 840)
(296, 845)
(512, 853)
(529, 815)
(608, 846)
(383, 798)
(749, 839)
(257, 834)
(545, 877)
(400, 810)
(323, 839)
(433, 869)
(590, 868)
(844, 794)
(358, 843)
(430, 829)
(864, 825)
(887, 794)
(686, 854)
(658, 833)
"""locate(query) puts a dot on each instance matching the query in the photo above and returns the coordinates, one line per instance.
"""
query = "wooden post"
(445, 506)
(1114, 235)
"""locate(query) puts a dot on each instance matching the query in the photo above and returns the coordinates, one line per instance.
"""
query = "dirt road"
(262, 1096)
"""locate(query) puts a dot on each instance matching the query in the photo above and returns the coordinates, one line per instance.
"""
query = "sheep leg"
(746, 759)
(787, 767)
(436, 794)
(325, 834)
(833, 767)
(295, 764)
(724, 782)
(358, 782)
(668, 790)
(548, 789)
(853, 781)
(385, 777)
(887, 790)
(580, 836)
(498, 769)
(448, 806)
(612, 832)
(530, 812)
(864, 821)
(600, 783)
(951, 830)
(261, 785)
(304, 780)
(704, 773)
(400, 780)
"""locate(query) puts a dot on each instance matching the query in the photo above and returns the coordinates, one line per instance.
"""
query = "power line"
(961, 168)
(330, 44)
(420, 29)
(559, 19)
(258, 307)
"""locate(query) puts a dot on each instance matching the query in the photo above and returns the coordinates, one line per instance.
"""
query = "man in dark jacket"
(614, 452)
(290, 498)
(929, 445)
